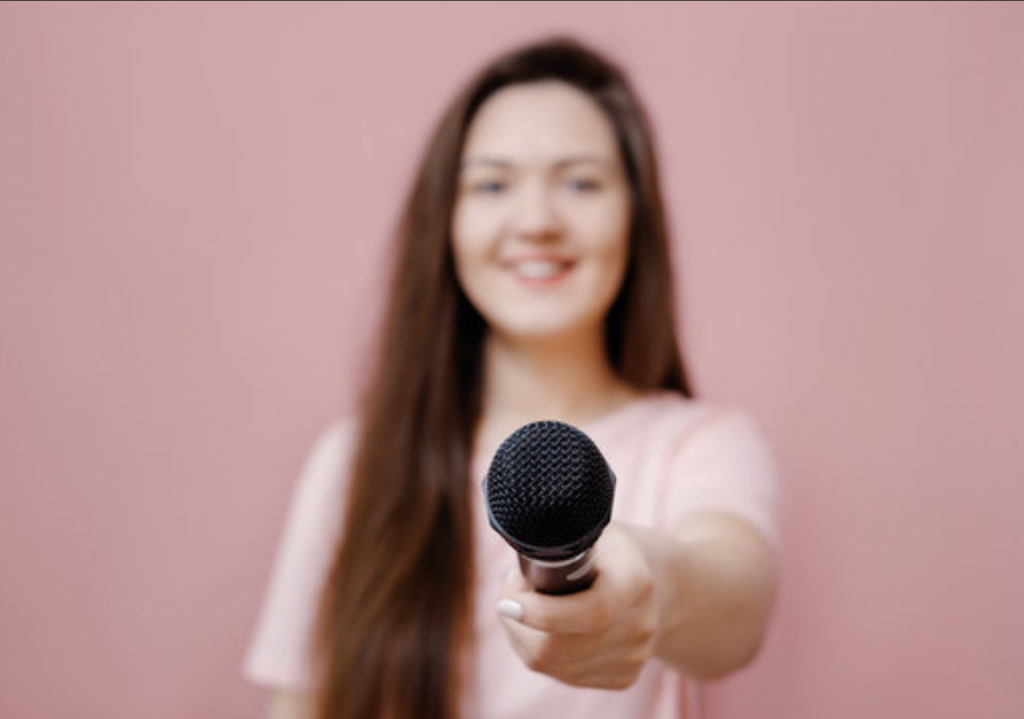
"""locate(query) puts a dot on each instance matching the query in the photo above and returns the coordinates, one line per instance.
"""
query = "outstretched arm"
(697, 598)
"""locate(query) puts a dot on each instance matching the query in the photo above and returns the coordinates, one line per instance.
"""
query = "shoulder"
(675, 455)
(335, 441)
(668, 433)
(673, 420)
(280, 650)
(718, 459)
(690, 440)
(326, 465)
(697, 430)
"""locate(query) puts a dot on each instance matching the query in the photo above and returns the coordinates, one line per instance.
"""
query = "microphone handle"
(566, 576)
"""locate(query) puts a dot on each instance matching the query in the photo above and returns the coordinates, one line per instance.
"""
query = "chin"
(545, 329)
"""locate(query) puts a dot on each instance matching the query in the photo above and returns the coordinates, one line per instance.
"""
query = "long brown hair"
(396, 610)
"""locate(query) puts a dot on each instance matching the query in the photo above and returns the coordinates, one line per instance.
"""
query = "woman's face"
(541, 220)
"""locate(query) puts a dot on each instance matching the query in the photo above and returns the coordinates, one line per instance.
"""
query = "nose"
(537, 218)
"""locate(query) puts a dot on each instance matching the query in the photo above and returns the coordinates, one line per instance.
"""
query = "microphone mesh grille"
(549, 487)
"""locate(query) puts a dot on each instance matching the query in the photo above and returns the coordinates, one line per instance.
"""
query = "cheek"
(614, 271)
(610, 230)
(471, 230)
(465, 270)
(612, 253)
(469, 253)
(464, 239)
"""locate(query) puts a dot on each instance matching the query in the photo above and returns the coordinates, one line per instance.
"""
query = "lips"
(538, 270)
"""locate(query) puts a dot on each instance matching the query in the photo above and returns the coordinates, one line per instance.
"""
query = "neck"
(568, 379)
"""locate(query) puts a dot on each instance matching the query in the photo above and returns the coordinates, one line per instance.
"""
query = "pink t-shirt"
(671, 457)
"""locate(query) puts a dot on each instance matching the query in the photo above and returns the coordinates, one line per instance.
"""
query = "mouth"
(539, 270)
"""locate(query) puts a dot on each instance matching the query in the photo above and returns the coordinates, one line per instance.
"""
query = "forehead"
(540, 121)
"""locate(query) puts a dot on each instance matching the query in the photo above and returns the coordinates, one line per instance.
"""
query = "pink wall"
(194, 204)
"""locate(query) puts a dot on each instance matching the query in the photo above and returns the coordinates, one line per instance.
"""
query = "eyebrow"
(564, 162)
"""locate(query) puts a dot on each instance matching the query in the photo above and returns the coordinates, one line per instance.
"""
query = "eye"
(490, 186)
(583, 184)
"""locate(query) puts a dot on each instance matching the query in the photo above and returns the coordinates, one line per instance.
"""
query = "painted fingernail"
(511, 609)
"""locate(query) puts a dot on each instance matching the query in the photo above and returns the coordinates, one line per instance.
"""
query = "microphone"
(549, 494)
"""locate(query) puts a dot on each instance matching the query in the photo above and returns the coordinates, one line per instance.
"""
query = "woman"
(532, 282)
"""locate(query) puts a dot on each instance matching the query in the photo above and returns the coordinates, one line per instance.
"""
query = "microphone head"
(549, 491)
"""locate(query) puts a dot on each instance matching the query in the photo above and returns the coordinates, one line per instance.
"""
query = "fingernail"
(511, 609)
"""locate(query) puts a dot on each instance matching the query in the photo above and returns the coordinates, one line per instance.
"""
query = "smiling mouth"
(540, 269)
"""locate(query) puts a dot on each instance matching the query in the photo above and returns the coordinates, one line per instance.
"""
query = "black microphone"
(549, 494)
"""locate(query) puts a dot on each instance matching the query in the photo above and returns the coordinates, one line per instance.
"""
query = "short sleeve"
(279, 652)
(726, 465)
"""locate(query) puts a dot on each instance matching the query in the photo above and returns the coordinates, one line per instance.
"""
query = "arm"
(717, 589)
(697, 598)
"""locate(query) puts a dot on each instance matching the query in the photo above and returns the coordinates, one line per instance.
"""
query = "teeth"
(538, 269)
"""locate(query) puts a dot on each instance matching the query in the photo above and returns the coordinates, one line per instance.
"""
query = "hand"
(601, 637)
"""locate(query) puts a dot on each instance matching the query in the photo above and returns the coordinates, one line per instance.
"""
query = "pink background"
(195, 201)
